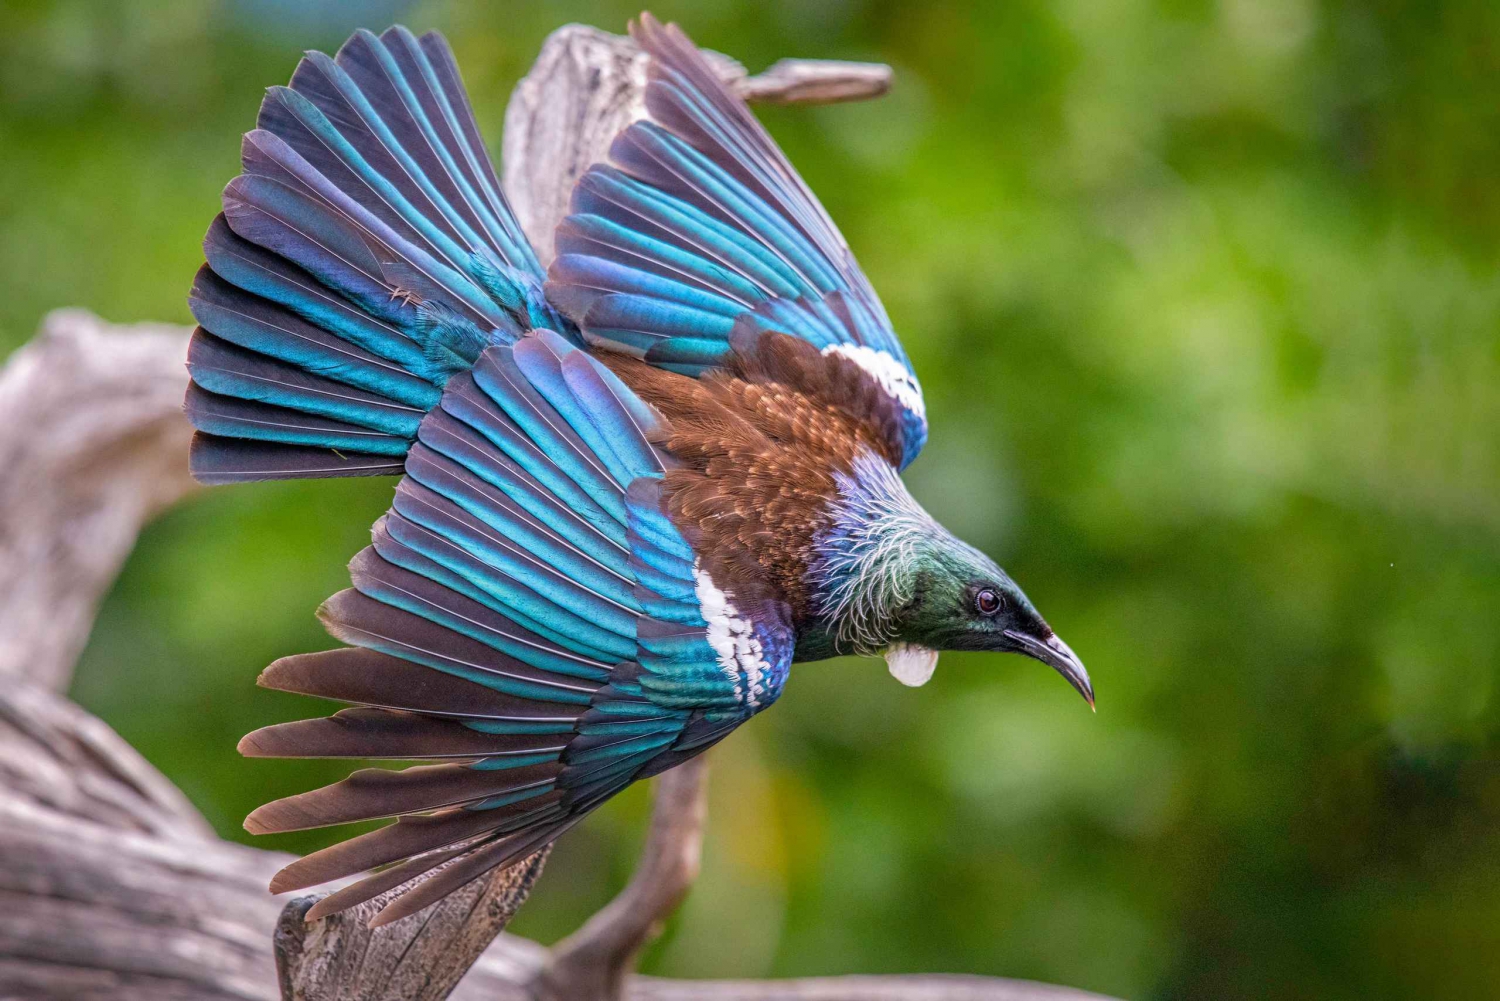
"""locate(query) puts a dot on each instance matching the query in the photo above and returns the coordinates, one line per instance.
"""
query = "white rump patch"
(733, 640)
(910, 664)
(893, 377)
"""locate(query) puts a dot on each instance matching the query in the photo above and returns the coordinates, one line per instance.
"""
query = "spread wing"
(364, 255)
(698, 236)
(528, 618)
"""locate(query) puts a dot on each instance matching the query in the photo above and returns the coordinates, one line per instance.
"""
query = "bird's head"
(960, 600)
(891, 578)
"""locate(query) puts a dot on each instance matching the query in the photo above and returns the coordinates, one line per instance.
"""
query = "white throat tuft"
(910, 664)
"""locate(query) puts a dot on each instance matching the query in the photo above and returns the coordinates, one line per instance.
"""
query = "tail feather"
(312, 208)
(217, 460)
(262, 275)
(395, 111)
(256, 325)
(228, 370)
(216, 415)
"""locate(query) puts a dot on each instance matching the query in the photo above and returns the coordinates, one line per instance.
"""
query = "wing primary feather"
(410, 836)
(372, 678)
(386, 734)
(375, 793)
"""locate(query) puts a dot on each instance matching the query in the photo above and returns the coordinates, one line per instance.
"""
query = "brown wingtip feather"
(371, 678)
(253, 744)
(387, 879)
(392, 734)
(376, 793)
(412, 836)
(282, 883)
(260, 822)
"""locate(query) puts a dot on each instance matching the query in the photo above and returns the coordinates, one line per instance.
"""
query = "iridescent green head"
(891, 579)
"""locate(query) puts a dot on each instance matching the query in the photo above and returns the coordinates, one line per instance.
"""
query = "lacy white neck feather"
(864, 570)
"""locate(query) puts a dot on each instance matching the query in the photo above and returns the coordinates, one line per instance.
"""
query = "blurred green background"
(1204, 295)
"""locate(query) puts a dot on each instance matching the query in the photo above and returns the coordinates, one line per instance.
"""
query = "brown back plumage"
(760, 445)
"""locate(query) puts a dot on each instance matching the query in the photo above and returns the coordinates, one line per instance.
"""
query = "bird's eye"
(987, 602)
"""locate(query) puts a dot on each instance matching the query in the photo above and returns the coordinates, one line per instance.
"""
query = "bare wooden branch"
(111, 886)
(816, 81)
(594, 961)
(595, 78)
(94, 412)
(57, 758)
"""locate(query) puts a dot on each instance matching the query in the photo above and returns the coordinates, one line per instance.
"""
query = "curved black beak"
(1057, 655)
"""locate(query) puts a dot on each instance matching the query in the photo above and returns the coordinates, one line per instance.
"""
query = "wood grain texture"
(111, 885)
(596, 80)
(816, 81)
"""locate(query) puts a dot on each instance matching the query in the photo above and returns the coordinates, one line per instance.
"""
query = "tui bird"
(637, 485)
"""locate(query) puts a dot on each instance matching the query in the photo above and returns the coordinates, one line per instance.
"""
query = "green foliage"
(1204, 298)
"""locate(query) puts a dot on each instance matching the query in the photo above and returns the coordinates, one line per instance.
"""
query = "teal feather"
(280, 283)
(227, 370)
(366, 244)
(477, 399)
(250, 324)
(501, 378)
(231, 417)
(489, 506)
(444, 435)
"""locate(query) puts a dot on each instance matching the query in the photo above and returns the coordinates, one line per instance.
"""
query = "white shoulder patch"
(733, 640)
(910, 664)
(893, 377)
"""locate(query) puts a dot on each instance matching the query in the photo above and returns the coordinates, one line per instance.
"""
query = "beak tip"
(1060, 657)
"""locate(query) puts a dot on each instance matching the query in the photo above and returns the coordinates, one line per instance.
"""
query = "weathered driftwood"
(592, 76)
(115, 418)
(111, 884)
(420, 956)
(815, 81)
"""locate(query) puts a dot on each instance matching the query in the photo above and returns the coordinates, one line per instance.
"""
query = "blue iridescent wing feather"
(364, 257)
(697, 232)
(530, 617)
